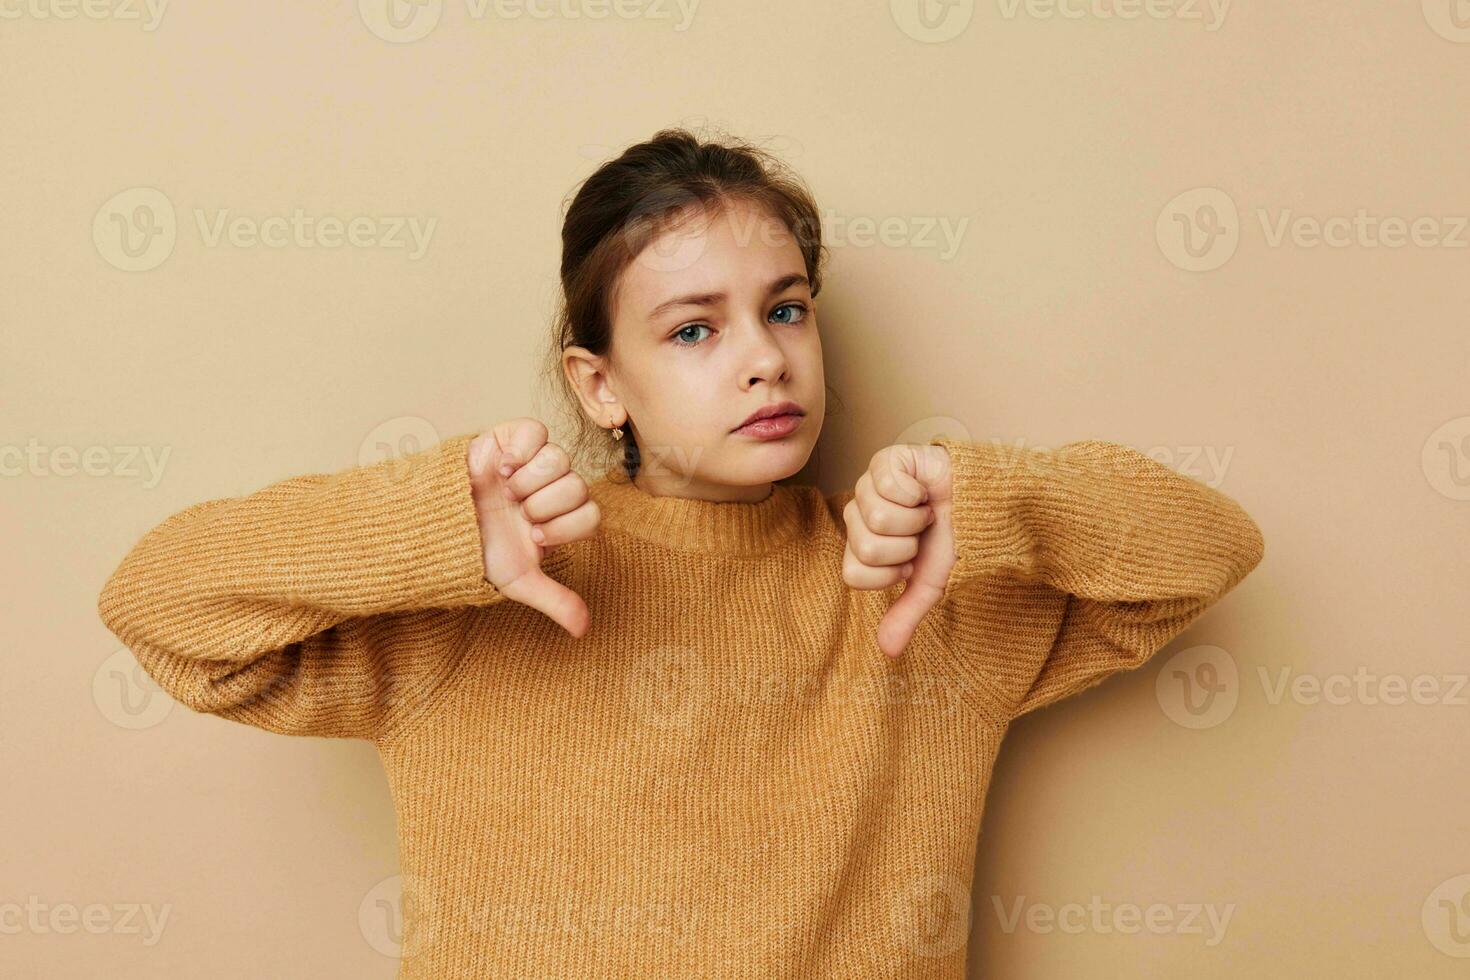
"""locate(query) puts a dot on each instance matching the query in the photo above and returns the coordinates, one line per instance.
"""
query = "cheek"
(809, 358)
(680, 404)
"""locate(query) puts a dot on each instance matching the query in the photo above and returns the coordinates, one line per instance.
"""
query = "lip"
(772, 410)
(772, 421)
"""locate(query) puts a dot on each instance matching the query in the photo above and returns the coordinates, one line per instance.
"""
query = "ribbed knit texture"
(725, 777)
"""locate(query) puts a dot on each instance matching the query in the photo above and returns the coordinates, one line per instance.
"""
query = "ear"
(588, 375)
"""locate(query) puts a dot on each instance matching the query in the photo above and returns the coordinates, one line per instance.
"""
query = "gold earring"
(617, 432)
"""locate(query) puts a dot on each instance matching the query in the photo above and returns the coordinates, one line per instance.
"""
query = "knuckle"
(542, 462)
(528, 434)
(479, 454)
(879, 523)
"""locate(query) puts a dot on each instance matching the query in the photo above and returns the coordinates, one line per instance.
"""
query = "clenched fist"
(528, 500)
(899, 527)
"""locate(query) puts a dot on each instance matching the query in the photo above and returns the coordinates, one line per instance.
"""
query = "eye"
(681, 331)
(798, 314)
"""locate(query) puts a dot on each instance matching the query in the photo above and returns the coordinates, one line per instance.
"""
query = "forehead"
(737, 251)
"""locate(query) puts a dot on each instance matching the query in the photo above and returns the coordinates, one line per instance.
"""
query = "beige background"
(1323, 386)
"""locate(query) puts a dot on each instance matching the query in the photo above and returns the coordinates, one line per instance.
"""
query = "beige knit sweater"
(725, 777)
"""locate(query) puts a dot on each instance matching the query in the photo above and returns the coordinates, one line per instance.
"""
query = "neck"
(659, 484)
(682, 521)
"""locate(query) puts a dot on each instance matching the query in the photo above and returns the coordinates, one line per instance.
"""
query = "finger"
(539, 591)
(877, 549)
(883, 516)
(580, 523)
(901, 621)
(519, 440)
(892, 481)
(481, 453)
(858, 575)
(549, 464)
(485, 483)
(563, 496)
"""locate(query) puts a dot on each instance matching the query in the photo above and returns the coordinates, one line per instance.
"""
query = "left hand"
(899, 528)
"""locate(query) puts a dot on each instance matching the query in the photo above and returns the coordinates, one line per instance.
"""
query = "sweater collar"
(716, 527)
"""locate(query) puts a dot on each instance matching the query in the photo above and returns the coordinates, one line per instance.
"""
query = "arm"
(1075, 563)
(327, 604)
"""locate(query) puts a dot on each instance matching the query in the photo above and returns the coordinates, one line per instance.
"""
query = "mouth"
(769, 421)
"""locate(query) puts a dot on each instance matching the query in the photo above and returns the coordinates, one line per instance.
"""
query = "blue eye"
(691, 326)
(799, 307)
(799, 314)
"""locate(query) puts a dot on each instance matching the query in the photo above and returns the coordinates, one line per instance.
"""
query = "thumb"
(539, 591)
(925, 586)
(901, 620)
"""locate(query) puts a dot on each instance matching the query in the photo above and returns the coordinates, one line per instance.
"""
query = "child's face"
(708, 326)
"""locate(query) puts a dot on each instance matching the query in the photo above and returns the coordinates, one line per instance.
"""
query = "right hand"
(541, 492)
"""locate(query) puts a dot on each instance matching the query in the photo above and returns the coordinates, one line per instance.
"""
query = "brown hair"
(623, 206)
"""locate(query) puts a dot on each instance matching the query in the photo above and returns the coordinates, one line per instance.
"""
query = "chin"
(767, 462)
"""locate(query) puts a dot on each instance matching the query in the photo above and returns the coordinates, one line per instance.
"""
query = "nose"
(761, 356)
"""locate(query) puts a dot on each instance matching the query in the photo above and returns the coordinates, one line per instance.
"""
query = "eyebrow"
(710, 299)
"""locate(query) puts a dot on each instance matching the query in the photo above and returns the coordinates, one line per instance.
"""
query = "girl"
(689, 720)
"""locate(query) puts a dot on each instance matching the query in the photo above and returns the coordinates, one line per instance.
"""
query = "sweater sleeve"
(327, 604)
(1076, 563)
